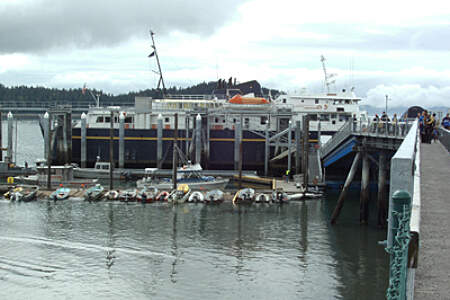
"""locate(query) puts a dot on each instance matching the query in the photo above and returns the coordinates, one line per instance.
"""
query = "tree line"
(29, 96)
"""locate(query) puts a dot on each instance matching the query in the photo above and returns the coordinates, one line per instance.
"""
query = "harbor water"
(78, 250)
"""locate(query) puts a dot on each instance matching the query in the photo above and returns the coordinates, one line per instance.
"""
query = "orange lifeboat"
(238, 99)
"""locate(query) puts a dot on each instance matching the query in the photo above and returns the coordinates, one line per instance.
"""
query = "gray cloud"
(40, 25)
(435, 37)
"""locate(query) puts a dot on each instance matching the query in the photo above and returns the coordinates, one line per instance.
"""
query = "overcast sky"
(399, 48)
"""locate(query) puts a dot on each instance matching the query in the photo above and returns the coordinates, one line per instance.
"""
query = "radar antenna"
(154, 53)
(328, 77)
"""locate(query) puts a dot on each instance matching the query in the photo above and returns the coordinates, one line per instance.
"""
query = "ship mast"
(155, 53)
(328, 82)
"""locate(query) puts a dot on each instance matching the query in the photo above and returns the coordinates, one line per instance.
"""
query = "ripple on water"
(116, 251)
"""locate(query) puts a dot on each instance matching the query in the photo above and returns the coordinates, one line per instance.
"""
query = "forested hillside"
(31, 96)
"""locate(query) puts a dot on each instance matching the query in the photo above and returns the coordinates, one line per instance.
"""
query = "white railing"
(405, 175)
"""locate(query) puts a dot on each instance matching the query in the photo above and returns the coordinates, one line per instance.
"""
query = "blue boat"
(60, 194)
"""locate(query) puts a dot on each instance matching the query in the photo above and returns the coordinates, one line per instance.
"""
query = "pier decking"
(433, 271)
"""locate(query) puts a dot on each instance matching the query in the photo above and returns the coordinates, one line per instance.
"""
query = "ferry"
(219, 117)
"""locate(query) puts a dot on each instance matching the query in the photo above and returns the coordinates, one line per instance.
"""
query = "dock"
(432, 274)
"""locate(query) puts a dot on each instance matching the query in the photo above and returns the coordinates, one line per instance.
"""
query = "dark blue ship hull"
(140, 148)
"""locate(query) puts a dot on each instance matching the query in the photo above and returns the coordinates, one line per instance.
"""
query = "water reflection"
(174, 244)
(187, 251)
(110, 242)
(361, 264)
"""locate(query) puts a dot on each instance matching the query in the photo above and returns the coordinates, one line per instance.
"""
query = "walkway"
(433, 272)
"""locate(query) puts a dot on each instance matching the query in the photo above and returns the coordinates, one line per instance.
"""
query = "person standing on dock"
(428, 127)
(446, 122)
(421, 118)
(287, 175)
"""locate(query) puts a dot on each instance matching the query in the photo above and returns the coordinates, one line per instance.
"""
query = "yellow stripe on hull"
(77, 137)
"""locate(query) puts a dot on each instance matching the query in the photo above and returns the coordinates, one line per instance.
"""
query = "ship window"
(316, 101)
(313, 117)
(341, 109)
(217, 120)
(246, 121)
(105, 167)
(343, 118)
(284, 100)
(166, 120)
(99, 120)
(107, 119)
(128, 119)
(264, 120)
(303, 101)
(234, 120)
(347, 101)
(333, 116)
(115, 119)
(324, 117)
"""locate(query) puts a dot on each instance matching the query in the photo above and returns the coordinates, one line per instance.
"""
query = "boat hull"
(193, 185)
(220, 156)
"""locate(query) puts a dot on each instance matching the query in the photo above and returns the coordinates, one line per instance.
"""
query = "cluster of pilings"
(363, 156)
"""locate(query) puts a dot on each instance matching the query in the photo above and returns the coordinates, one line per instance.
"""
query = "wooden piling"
(207, 144)
(83, 140)
(289, 148)
(111, 150)
(174, 153)
(381, 201)
(46, 134)
(266, 149)
(49, 150)
(240, 160)
(198, 141)
(121, 140)
(297, 146)
(186, 134)
(348, 181)
(159, 136)
(10, 136)
(305, 151)
(1, 145)
(237, 139)
(364, 197)
(65, 139)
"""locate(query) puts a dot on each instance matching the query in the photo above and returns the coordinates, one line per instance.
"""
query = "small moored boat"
(162, 196)
(128, 195)
(112, 195)
(280, 197)
(246, 195)
(180, 195)
(24, 194)
(60, 194)
(190, 174)
(214, 196)
(147, 194)
(262, 198)
(196, 197)
(94, 193)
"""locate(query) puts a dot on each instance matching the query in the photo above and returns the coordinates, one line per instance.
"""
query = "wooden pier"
(432, 274)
